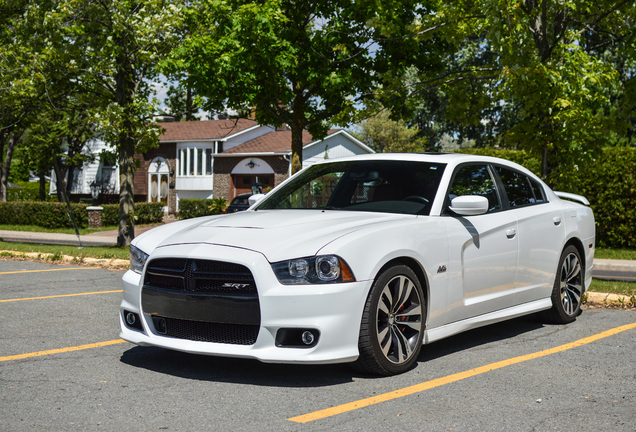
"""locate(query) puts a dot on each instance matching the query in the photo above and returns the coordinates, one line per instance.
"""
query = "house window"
(199, 161)
(195, 161)
(191, 161)
(208, 161)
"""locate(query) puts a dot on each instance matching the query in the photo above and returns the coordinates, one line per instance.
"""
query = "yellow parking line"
(62, 350)
(61, 295)
(317, 415)
(49, 270)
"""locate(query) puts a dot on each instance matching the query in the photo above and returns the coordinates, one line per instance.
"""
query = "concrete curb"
(614, 265)
(596, 297)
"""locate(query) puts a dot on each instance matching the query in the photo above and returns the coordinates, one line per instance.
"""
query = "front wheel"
(392, 323)
(567, 292)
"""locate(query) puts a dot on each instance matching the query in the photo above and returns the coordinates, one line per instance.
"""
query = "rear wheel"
(567, 292)
(392, 323)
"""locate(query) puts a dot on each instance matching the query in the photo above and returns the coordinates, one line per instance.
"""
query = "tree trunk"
(189, 114)
(60, 180)
(545, 170)
(125, 97)
(297, 127)
(5, 167)
(42, 189)
(126, 190)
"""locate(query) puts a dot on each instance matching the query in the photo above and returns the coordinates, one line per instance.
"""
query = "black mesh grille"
(210, 332)
(202, 300)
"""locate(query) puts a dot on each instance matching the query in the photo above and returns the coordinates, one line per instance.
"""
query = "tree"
(116, 45)
(303, 63)
(385, 135)
(545, 73)
(24, 63)
(180, 102)
(59, 139)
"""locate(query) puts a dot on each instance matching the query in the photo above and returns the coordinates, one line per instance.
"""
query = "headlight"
(138, 259)
(313, 270)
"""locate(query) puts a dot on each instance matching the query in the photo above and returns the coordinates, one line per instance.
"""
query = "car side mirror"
(255, 198)
(469, 205)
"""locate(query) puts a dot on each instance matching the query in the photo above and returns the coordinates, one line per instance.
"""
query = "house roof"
(204, 130)
(273, 142)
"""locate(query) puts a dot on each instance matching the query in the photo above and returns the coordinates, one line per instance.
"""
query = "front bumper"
(334, 310)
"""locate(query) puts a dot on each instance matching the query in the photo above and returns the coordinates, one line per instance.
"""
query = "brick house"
(214, 158)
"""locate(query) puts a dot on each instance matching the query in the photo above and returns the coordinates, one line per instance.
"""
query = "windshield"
(376, 186)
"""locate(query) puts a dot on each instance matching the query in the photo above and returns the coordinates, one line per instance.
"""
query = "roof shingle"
(205, 129)
(273, 142)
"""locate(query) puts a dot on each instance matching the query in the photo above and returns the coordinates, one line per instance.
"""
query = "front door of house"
(158, 178)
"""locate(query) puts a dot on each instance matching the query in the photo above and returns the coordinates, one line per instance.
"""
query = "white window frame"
(188, 155)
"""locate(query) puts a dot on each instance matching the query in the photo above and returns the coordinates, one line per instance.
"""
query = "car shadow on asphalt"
(480, 336)
(253, 372)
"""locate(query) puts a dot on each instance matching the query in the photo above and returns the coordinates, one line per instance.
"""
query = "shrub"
(55, 215)
(191, 208)
(44, 214)
(28, 191)
(610, 186)
(148, 213)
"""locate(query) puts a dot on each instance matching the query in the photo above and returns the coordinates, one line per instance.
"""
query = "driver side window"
(475, 180)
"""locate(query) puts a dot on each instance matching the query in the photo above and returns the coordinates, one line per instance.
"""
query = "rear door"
(541, 234)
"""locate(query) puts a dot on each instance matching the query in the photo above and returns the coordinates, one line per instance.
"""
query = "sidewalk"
(107, 238)
(102, 238)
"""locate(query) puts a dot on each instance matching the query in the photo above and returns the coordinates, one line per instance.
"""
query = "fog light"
(131, 318)
(308, 338)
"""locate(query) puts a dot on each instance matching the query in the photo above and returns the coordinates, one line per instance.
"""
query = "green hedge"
(54, 214)
(191, 208)
(609, 183)
(610, 186)
(28, 191)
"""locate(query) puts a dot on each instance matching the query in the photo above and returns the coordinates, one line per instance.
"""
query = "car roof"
(447, 158)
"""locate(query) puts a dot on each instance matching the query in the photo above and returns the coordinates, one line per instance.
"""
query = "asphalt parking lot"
(63, 367)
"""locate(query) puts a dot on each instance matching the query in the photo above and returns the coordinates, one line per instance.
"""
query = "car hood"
(277, 234)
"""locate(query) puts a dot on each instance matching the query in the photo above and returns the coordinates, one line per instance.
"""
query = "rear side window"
(520, 189)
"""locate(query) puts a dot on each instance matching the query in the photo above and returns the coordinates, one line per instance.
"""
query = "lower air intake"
(236, 334)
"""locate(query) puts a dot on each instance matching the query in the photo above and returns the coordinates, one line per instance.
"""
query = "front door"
(158, 182)
(487, 248)
(159, 188)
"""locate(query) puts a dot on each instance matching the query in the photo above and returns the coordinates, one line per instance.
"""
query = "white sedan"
(363, 260)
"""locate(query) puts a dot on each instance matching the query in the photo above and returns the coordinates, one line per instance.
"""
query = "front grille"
(202, 300)
(178, 274)
(209, 332)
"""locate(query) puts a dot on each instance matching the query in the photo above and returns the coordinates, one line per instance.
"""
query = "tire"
(392, 325)
(567, 292)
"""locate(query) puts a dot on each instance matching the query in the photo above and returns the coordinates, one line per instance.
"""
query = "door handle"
(511, 232)
(557, 220)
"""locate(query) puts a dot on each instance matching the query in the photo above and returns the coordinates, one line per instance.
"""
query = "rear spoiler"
(573, 197)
